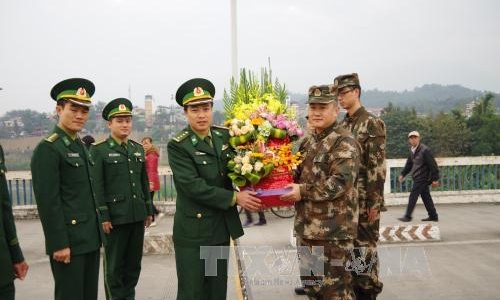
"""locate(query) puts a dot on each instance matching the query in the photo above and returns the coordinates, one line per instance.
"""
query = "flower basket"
(270, 188)
(263, 128)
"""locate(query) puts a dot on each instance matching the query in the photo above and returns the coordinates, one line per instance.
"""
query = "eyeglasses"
(344, 92)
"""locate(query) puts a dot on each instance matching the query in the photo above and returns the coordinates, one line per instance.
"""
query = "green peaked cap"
(76, 90)
(117, 107)
(195, 91)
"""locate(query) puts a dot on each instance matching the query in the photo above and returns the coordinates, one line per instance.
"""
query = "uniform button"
(77, 165)
(73, 222)
(198, 215)
(116, 162)
(114, 200)
(129, 159)
(135, 196)
(204, 162)
(131, 172)
(133, 184)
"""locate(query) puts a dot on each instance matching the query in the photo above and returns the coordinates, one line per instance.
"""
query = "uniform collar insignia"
(137, 154)
(194, 140)
(113, 154)
(199, 153)
(71, 154)
(224, 147)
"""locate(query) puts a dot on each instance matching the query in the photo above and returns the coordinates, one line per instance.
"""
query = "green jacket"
(10, 252)
(204, 212)
(63, 191)
(121, 181)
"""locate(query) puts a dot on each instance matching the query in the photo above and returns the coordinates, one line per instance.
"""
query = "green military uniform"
(10, 251)
(370, 133)
(66, 205)
(122, 190)
(327, 213)
(205, 211)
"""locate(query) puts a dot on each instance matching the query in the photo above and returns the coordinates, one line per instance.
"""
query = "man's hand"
(63, 255)
(247, 200)
(293, 195)
(401, 178)
(435, 184)
(21, 269)
(148, 221)
(107, 227)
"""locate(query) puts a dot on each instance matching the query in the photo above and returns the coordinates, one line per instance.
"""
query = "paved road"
(464, 265)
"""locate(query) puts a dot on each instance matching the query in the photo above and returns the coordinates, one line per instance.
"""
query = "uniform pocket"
(198, 223)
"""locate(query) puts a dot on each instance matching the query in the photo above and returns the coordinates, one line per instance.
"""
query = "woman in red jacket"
(152, 156)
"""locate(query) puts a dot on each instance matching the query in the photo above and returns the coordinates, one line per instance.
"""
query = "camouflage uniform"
(327, 214)
(370, 133)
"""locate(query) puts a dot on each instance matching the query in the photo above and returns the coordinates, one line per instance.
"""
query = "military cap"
(117, 108)
(76, 90)
(321, 94)
(342, 81)
(195, 91)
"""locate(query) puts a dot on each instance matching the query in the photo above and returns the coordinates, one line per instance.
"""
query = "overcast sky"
(152, 46)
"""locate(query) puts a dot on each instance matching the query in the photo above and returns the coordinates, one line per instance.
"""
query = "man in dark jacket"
(424, 171)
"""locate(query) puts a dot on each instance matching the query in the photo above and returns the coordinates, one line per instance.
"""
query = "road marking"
(409, 233)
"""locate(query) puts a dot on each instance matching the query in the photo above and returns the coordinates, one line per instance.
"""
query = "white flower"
(237, 159)
(258, 166)
(246, 168)
(245, 160)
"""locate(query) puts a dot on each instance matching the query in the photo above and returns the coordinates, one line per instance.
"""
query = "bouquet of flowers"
(262, 128)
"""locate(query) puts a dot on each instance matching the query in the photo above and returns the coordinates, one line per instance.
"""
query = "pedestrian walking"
(424, 171)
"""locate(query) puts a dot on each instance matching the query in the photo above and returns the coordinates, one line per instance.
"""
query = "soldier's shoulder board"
(220, 127)
(98, 142)
(52, 138)
(180, 136)
(135, 143)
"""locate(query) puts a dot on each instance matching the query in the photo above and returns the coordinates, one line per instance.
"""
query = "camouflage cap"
(321, 94)
(342, 81)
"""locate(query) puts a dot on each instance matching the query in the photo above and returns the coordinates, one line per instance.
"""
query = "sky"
(131, 48)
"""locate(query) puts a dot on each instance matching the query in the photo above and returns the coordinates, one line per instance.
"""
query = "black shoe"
(435, 219)
(404, 219)
(260, 223)
(299, 290)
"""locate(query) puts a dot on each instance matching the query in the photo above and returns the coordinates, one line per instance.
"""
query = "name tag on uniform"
(113, 154)
(199, 153)
(71, 154)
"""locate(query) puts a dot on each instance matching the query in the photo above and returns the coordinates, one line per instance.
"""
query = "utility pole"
(234, 40)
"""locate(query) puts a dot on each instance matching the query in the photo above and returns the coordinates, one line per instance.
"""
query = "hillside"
(429, 97)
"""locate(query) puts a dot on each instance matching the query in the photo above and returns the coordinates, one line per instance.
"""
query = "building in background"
(148, 111)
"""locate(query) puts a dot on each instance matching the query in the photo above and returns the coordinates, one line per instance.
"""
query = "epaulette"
(220, 127)
(52, 138)
(98, 142)
(136, 143)
(181, 135)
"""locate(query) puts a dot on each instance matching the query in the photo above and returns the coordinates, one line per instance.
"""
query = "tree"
(398, 122)
(484, 126)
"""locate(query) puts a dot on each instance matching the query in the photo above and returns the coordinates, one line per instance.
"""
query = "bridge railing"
(472, 175)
